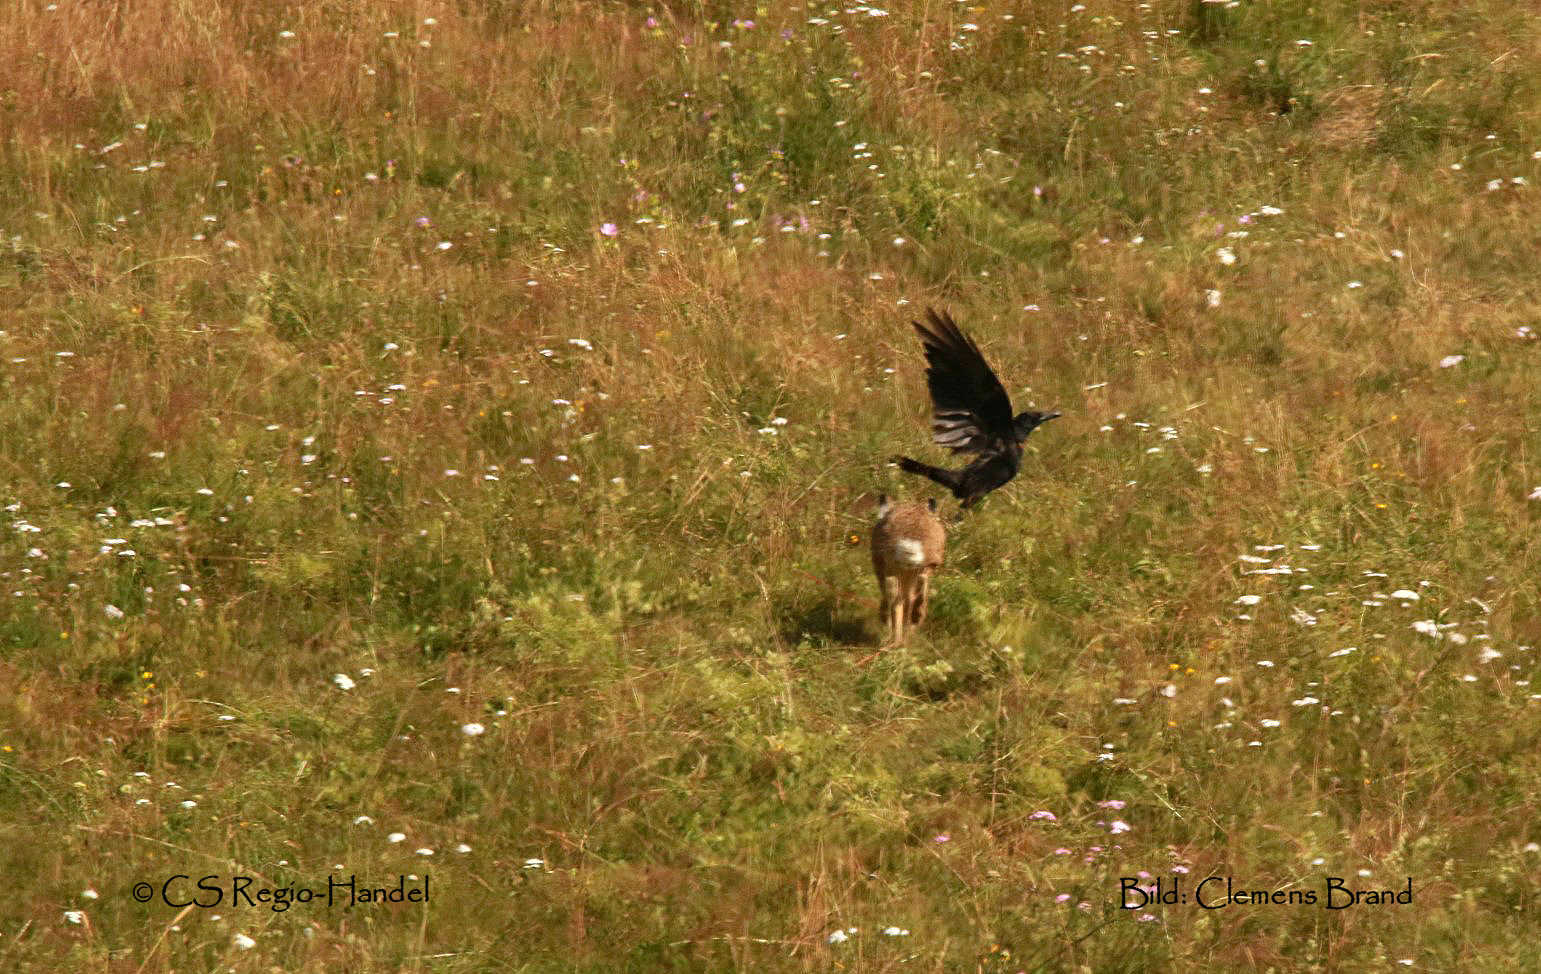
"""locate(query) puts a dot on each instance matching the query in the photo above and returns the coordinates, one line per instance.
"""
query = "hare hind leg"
(894, 609)
(921, 599)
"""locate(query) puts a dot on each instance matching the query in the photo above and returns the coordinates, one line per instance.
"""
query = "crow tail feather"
(947, 478)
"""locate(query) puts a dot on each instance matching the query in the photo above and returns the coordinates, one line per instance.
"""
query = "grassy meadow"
(440, 439)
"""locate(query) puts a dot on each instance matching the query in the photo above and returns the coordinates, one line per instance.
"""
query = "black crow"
(971, 413)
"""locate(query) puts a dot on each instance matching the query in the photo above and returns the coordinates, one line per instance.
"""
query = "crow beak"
(1051, 416)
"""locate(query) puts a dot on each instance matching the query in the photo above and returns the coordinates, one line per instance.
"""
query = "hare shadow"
(825, 621)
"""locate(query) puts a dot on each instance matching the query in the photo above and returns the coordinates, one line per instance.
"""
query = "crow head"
(1025, 423)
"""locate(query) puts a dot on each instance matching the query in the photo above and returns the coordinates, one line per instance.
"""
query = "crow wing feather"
(971, 410)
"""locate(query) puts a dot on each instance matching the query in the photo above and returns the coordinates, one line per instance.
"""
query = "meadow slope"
(440, 439)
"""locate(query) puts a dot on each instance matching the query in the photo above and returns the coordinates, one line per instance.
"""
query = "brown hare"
(907, 544)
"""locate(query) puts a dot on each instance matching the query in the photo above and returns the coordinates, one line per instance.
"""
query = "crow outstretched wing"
(971, 412)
